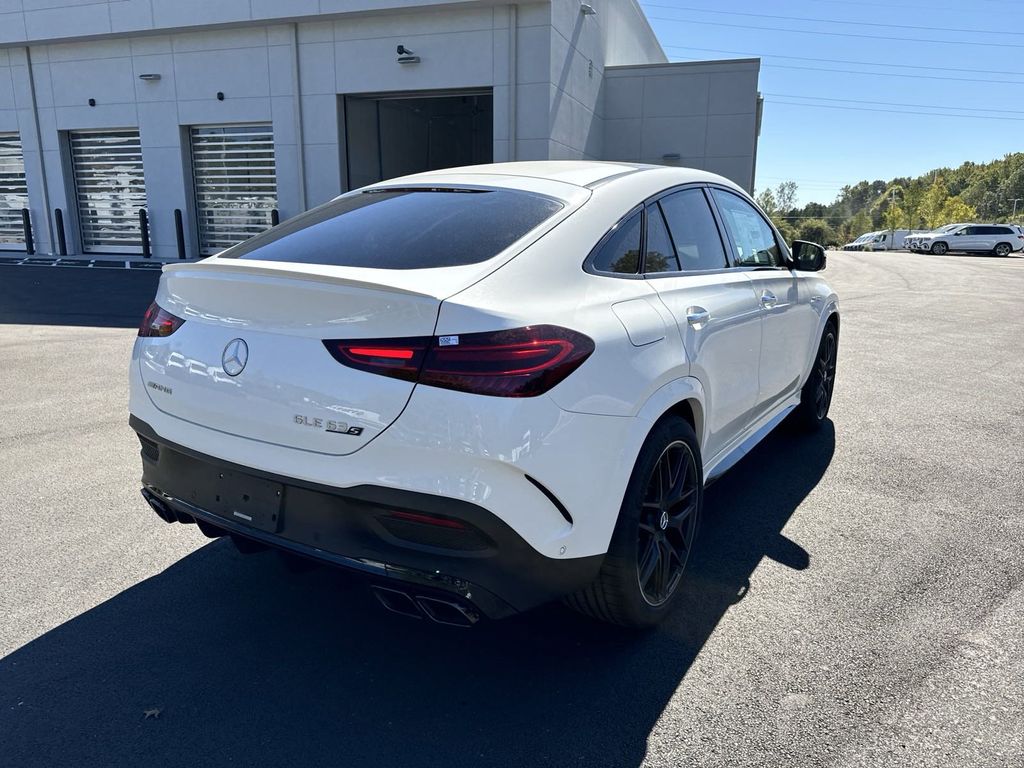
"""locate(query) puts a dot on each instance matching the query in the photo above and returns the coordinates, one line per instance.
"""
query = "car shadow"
(229, 659)
(98, 297)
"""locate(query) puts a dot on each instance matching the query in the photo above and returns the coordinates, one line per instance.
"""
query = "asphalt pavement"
(856, 599)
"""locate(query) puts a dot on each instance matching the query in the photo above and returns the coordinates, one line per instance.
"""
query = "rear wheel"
(655, 533)
(1003, 249)
(939, 249)
(816, 395)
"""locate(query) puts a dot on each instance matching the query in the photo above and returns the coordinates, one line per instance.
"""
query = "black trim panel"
(493, 566)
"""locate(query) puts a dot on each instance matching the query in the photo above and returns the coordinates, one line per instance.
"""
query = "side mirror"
(808, 257)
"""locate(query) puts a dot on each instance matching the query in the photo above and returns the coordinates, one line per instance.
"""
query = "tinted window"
(693, 230)
(404, 229)
(997, 231)
(621, 252)
(751, 236)
(661, 255)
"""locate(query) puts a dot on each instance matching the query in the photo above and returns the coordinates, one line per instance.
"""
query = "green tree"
(955, 210)
(893, 217)
(785, 196)
(816, 231)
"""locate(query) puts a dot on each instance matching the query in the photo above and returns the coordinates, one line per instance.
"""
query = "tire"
(1002, 249)
(816, 395)
(654, 528)
(939, 249)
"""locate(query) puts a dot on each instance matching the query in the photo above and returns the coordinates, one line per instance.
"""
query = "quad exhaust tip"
(451, 613)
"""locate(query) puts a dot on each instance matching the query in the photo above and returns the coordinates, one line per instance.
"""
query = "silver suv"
(1000, 239)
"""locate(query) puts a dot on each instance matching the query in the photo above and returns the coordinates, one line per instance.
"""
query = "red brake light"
(159, 322)
(522, 362)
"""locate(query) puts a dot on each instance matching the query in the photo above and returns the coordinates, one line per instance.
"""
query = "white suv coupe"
(484, 388)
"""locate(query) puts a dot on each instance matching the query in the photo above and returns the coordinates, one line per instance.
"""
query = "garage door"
(13, 192)
(110, 189)
(236, 183)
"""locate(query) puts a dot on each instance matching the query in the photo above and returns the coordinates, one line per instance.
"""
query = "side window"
(752, 237)
(968, 231)
(661, 254)
(621, 252)
(694, 231)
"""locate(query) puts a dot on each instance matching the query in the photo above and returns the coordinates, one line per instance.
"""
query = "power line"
(837, 34)
(838, 21)
(850, 61)
(897, 104)
(878, 74)
(897, 111)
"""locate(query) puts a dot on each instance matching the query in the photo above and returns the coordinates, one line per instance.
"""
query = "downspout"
(39, 145)
(300, 139)
(513, 37)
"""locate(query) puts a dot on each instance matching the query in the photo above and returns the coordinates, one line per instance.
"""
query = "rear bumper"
(473, 555)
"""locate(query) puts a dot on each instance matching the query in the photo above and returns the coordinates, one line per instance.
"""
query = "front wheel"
(1003, 249)
(939, 249)
(655, 533)
(816, 395)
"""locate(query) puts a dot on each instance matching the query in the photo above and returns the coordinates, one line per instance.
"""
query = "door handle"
(697, 317)
(768, 300)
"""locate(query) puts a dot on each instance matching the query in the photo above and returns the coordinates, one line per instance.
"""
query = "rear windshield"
(403, 229)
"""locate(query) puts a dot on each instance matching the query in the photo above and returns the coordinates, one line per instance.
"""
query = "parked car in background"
(998, 239)
(888, 240)
(915, 240)
(860, 242)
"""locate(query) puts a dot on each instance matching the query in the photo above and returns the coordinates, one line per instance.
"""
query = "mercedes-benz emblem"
(663, 522)
(236, 355)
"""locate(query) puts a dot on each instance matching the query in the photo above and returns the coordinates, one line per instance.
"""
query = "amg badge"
(338, 427)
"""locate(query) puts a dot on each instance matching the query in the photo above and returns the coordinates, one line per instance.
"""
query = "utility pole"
(1015, 201)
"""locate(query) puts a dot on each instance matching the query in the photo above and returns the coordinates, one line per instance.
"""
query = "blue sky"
(807, 138)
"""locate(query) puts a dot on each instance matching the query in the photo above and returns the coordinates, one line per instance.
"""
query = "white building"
(228, 110)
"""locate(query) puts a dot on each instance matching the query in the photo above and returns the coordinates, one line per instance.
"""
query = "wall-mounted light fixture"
(587, 9)
(149, 77)
(405, 56)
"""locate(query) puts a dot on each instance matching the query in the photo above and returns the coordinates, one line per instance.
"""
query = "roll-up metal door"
(110, 189)
(13, 190)
(236, 183)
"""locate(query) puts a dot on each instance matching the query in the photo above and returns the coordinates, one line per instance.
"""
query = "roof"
(580, 173)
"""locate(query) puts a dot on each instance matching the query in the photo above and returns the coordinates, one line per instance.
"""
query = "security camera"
(403, 51)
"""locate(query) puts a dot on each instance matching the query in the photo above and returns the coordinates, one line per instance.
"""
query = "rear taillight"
(159, 322)
(522, 362)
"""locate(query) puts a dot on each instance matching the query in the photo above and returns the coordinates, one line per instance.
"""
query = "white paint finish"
(163, 89)
(729, 133)
(320, 119)
(109, 81)
(168, 14)
(238, 72)
(533, 111)
(323, 173)
(533, 55)
(666, 135)
(12, 27)
(316, 68)
(280, 63)
(211, 112)
(733, 91)
(158, 125)
(622, 139)
(275, 9)
(642, 322)
(420, 22)
(675, 96)
(78, 20)
(131, 16)
(455, 60)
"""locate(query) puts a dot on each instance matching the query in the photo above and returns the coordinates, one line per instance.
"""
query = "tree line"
(972, 192)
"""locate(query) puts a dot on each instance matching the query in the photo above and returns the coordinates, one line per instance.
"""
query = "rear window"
(404, 229)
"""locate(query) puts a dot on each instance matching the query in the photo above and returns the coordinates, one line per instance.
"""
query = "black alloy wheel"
(826, 370)
(668, 523)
